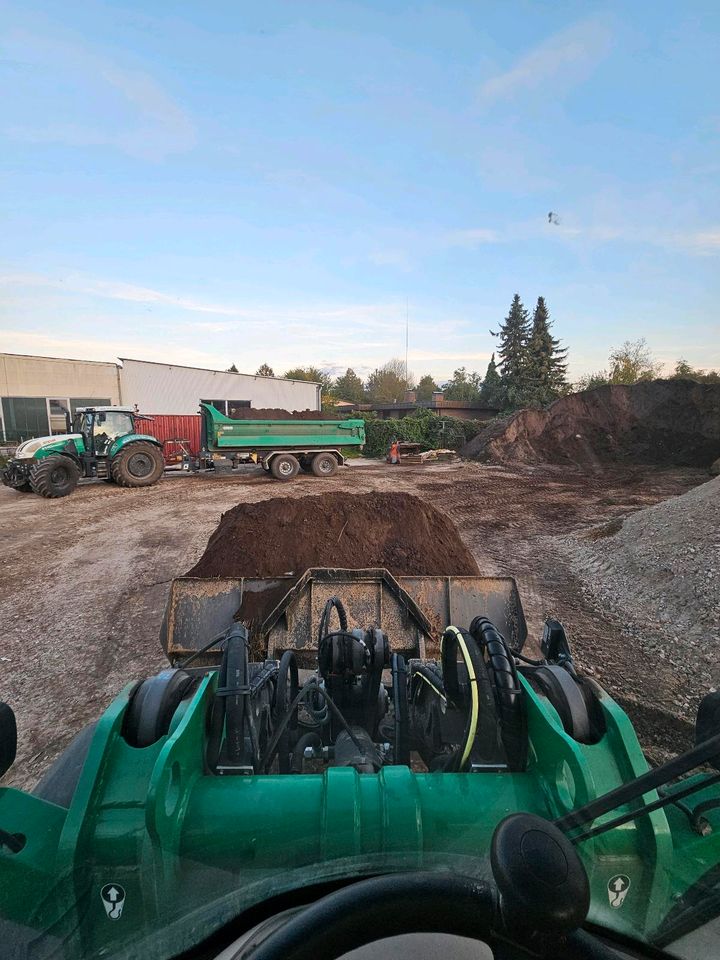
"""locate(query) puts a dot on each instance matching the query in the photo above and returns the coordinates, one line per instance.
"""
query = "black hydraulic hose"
(286, 691)
(310, 687)
(298, 754)
(204, 649)
(333, 603)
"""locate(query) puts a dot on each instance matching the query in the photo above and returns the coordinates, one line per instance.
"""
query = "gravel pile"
(659, 570)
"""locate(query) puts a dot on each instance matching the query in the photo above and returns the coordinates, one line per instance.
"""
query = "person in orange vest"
(394, 452)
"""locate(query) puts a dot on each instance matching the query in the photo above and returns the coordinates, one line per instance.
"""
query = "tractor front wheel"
(139, 464)
(54, 477)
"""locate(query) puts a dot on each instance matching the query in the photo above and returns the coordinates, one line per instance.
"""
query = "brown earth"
(664, 422)
(84, 582)
(405, 535)
(275, 413)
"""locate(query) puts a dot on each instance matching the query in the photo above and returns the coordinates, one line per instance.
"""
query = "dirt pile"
(275, 413)
(280, 536)
(665, 422)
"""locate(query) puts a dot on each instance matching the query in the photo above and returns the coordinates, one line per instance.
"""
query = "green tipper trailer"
(282, 447)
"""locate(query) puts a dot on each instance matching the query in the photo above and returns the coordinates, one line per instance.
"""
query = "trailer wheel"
(139, 464)
(54, 477)
(284, 466)
(324, 465)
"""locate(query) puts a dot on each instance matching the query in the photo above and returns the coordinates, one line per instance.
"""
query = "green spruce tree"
(546, 368)
(513, 337)
(491, 392)
(349, 387)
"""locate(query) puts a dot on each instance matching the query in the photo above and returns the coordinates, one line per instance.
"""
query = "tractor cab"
(100, 426)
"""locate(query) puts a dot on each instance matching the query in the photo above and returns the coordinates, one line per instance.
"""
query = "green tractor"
(104, 444)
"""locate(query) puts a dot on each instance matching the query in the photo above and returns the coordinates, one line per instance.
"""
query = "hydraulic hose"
(333, 603)
(451, 639)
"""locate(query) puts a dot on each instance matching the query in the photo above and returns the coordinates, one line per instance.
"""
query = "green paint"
(224, 433)
(192, 850)
(59, 446)
(121, 442)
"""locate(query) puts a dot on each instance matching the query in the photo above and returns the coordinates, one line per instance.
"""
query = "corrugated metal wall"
(167, 389)
(168, 427)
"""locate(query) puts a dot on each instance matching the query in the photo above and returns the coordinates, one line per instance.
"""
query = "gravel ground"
(658, 570)
(84, 582)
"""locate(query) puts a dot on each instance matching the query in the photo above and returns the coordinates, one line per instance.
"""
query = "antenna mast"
(407, 335)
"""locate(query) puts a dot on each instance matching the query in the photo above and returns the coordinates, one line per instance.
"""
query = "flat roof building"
(38, 393)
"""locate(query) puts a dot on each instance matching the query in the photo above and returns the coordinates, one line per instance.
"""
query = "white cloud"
(569, 55)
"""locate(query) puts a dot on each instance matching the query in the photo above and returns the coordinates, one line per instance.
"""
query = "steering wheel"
(539, 899)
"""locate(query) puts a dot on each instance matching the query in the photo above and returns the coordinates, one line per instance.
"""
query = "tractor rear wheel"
(324, 465)
(54, 477)
(139, 464)
(284, 466)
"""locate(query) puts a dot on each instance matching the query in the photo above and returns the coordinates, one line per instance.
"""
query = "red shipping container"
(173, 427)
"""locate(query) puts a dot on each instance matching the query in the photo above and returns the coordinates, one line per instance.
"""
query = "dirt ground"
(84, 581)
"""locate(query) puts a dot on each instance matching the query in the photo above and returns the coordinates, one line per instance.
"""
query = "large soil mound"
(665, 422)
(283, 535)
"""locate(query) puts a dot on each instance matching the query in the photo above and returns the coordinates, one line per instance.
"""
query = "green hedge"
(426, 428)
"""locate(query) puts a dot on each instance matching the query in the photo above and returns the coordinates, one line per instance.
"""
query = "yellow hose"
(474, 696)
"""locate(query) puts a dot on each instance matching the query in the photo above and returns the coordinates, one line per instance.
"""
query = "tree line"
(527, 369)
(530, 370)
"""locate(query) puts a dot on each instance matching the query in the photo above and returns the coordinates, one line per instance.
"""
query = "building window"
(234, 405)
(25, 417)
(220, 405)
(227, 407)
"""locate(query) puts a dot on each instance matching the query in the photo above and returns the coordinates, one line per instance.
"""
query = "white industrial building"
(163, 388)
(37, 392)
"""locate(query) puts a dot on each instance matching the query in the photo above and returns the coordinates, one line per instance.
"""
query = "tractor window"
(108, 426)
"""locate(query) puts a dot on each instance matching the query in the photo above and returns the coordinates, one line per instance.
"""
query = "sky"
(287, 182)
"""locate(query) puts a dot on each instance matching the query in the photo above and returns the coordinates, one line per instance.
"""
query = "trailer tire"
(54, 477)
(324, 465)
(139, 464)
(284, 466)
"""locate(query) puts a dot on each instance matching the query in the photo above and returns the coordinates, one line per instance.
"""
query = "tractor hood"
(28, 449)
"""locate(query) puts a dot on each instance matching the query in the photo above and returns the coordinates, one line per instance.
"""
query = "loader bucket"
(283, 612)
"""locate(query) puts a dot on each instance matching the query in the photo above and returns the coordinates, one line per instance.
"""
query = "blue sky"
(208, 183)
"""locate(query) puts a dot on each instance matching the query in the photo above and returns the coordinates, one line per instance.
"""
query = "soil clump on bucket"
(284, 536)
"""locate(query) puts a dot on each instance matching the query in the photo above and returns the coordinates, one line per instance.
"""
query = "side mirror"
(554, 643)
(8, 738)
(707, 723)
